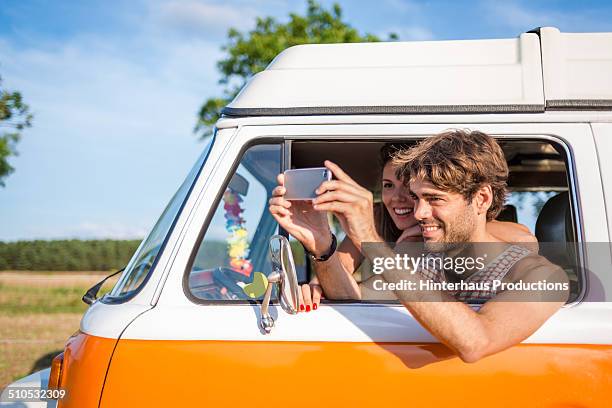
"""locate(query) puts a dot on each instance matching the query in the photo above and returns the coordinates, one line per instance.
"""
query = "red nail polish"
(308, 308)
(302, 308)
(314, 307)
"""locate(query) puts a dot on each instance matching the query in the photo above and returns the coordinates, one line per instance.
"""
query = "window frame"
(285, 142)
(215, 204)
(572, 191)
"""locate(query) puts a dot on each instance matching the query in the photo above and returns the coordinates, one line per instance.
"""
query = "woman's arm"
(346, 257)
(341, 266)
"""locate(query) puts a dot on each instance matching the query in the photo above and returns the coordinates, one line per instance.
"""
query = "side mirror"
(92, 293)
(283, 274)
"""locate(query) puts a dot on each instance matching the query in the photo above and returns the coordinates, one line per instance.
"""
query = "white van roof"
(541, 70)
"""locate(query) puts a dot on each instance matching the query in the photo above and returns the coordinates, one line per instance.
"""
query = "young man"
(458, 182)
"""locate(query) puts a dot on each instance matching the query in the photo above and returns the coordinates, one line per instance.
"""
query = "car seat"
(554, 223)
(508, 213)
(557, 237)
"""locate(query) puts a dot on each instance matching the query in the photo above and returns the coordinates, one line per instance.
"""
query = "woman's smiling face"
(397, 200)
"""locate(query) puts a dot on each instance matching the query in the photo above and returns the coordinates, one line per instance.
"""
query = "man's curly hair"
(459, 161)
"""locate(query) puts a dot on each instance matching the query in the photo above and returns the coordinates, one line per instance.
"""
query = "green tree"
(247, 54)
(15, 116)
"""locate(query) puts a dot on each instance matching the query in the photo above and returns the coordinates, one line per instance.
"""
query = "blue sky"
(115, 87)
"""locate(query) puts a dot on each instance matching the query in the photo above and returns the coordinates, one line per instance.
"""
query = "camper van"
(180, 327)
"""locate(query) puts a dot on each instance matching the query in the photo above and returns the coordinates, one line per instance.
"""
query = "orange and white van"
(180, 329)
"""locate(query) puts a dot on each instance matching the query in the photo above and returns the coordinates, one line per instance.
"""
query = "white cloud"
(521, 17)
(201, 18)
(414, 18)
(404, 6)
(82, 85)
(112, 133)
(88, 230)
(517, 16)
(112, 230)
(413, 33)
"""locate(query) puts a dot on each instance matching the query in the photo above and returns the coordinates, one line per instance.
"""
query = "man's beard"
(456, 235)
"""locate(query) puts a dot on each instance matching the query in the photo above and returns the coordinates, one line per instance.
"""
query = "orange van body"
(145, 373)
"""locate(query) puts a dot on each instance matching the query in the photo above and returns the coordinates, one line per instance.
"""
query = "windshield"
(144, 259)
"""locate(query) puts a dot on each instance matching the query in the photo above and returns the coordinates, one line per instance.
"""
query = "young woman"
(395, 222)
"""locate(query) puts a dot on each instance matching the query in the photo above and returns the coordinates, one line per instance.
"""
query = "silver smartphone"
(301, 184)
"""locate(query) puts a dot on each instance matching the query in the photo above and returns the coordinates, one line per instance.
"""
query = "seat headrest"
(554, 224)
(508, 214)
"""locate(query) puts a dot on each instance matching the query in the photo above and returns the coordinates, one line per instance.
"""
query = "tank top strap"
(496, 270)
(501, 265)
(429, 271)
(482, 280)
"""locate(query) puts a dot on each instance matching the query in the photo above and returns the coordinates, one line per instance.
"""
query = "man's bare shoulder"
(535, 268)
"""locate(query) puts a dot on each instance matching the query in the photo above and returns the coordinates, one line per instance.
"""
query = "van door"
(202, 345)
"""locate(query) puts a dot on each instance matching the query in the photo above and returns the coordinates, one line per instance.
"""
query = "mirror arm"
(283, 274)
(91, 295)
(267, 322)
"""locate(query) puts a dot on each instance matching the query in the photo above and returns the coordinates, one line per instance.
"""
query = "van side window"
(540, 187)
(235, 244)
(540, 197)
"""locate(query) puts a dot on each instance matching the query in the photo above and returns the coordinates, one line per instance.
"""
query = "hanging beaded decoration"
(237, 243)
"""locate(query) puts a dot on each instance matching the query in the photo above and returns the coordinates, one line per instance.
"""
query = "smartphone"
(301, 184)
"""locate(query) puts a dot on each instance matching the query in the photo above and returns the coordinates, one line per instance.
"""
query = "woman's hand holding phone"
(299, 219)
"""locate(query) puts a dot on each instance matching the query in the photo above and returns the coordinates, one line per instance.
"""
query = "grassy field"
(38, 312)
